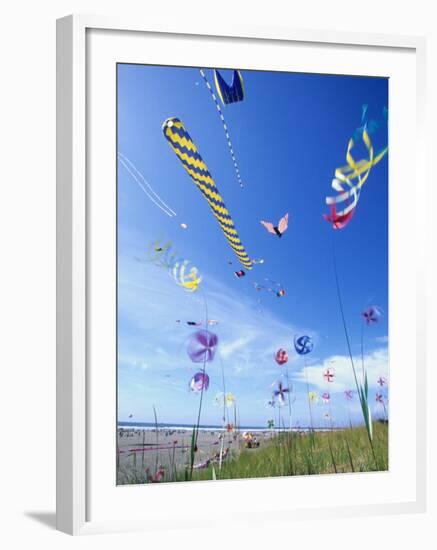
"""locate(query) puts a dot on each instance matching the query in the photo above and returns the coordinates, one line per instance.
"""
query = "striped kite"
(184, 147)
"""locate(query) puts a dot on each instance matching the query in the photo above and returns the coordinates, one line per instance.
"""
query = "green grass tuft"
(322, 453)
(286, 454)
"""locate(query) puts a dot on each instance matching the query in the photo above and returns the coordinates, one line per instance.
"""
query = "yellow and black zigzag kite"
(186, 150)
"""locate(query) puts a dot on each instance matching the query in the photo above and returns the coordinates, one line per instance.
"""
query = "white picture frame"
(74, 460)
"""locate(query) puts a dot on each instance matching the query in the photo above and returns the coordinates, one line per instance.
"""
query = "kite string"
(142, 188)
(340, 302)
(144, 185)
(224, 411)
(308, 397)
(331, 427)
(349, 413)
(225, 127)
(343, 318)
(290, 421)
(289, 398)
(196, 430)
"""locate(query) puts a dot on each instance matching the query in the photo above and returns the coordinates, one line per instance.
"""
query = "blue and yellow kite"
(229, 94)
(184, 147)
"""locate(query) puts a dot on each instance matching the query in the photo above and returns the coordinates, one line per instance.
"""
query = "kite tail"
(225, 127)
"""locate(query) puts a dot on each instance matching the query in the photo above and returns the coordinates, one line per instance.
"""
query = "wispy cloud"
(153, 345)
(133, 361)
(234, 346)
(247, 338)
(376, 364)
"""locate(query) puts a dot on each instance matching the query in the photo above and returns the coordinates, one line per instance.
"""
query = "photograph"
(252, 274)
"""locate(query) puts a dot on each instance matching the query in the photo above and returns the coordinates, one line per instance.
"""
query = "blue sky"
(289, 135)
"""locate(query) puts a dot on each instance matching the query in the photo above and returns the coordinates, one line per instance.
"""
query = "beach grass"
(289, 454)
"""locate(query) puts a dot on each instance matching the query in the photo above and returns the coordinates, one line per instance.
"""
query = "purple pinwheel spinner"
(326, 397)
(379, 398)
(202, 346)
(372, 314)
(199, 382)
(280, 392)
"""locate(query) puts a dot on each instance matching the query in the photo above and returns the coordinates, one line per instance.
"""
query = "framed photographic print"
(240, 300)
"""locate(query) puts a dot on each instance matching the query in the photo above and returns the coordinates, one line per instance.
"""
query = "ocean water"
(204, 427)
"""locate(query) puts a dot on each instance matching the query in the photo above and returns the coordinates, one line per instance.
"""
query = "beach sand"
(139, 449)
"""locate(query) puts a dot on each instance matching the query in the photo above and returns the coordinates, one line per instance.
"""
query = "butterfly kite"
(279, 229)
